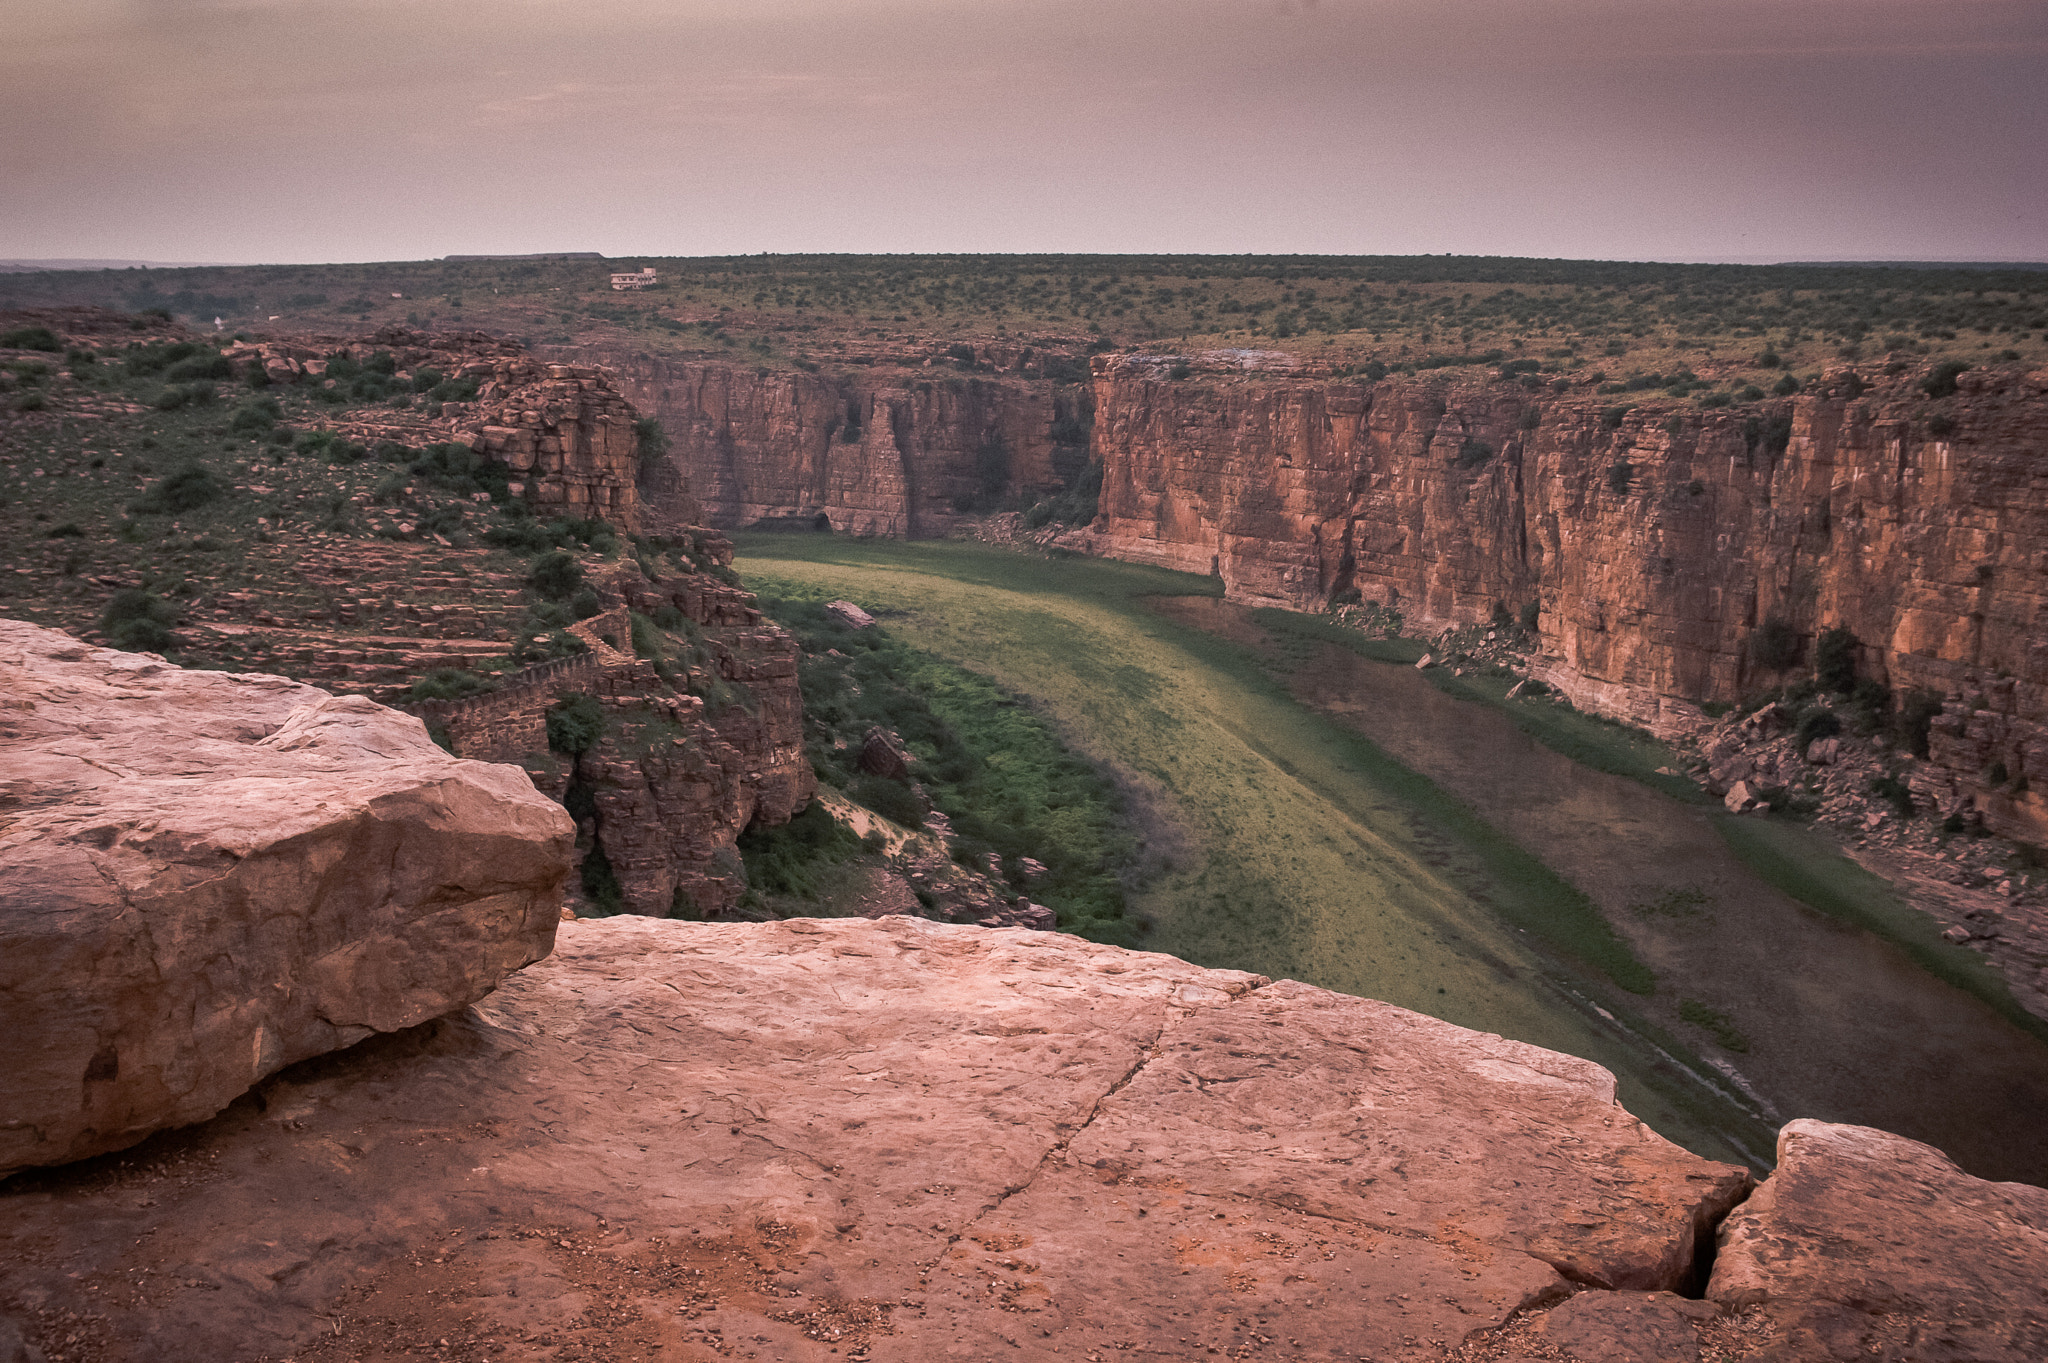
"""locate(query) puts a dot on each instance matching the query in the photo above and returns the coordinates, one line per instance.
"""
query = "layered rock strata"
(211, 876)
(870, 454)
(565, 431)
(1658, 541)
(848, 1139)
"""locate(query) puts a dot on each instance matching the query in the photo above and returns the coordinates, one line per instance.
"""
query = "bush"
(200, 367)
(1942, 382)
(451, 683)
(1774, 646)
(257, 414)
(1895, 791)
(1818, 723)
(1621, 475)
(32, 338)
(140, 621)
(556, 576)
(1834, 660)
(1786, 386)
(1915, 720)
(1941, 425)
(575, 724)
(1532, 613)
(893, 800)
(653, 444)
(179, 491)
(67, 531)
(1611, 418)
(425, 380)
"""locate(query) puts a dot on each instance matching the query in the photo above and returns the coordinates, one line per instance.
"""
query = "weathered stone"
(1627, 1327)
(894, 1136)
(1741, 798)
(849, 614)
(883, 754)
(211, 876)
(1867, 1245)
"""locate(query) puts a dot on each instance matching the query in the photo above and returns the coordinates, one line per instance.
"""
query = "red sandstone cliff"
(1656, 541)
(755, 445)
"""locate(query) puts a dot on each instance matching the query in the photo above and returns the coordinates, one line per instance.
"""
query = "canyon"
(1656, 541)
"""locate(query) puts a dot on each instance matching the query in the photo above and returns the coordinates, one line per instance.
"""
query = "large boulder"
(1865, 1245)
(840, 1139)
(209, 876)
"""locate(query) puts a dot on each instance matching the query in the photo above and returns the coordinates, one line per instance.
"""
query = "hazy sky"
(316, 130)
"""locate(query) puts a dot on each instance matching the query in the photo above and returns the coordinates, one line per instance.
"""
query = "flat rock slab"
(1864, 1244)
(867, 1139)
(209, 876)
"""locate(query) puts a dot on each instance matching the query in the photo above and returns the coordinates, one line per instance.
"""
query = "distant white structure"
(639, 279)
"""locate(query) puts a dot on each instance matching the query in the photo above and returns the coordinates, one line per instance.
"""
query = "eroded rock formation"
(211, 876)
(1656, 540)
(896, 1139)
(872, 454)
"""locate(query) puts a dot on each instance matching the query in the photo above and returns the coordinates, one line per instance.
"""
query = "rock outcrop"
(211, 876)
(872, 453)
(864, 1139)
(1867, 1245)
(890, 1136)
(1661, 542)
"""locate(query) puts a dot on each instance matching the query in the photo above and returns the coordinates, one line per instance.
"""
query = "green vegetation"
(1528, 319)
(997, 771)
(1715, 1023)
(140, 621)
(574, 724)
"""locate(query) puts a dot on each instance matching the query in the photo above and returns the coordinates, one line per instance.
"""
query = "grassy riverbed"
(1282, 842)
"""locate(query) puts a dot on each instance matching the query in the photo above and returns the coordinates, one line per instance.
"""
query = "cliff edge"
(897, 1139)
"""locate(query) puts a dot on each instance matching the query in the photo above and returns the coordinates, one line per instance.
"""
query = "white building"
(639, 279)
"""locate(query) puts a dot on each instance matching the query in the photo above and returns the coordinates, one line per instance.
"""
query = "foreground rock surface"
(210, 876)
(891, 1138)
(1864, 1244)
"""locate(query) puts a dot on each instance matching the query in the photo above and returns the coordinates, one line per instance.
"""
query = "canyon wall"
(1656, 540)
(873, 454)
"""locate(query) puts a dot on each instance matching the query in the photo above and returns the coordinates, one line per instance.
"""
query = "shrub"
(1942, 382)
(1621, 475)
(1834, 660)
(575, 724)
(200, 367)
(140, 621)
(893, 800)
(257, 414)
(556, 576)
(32, 338)
(1818, 723)
(450, 683)
(1941, 425)
(1786, 386)
(1769, 359)
(586, 603)
(1532, 418)
(1611, 418)
(426, 379)
(179, 491)
(1774, 646)
(1915, 720)
(1895, 791)
(67, 531)
(1532, 613)
(653, 444)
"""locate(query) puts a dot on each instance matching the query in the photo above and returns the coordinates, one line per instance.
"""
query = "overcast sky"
(323, 130)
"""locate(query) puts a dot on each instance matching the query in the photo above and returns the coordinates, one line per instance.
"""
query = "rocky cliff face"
(1656, 540)
(818, 1140)
(871, 454)
(211, 876)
